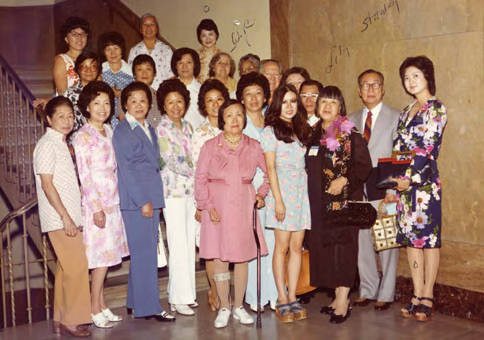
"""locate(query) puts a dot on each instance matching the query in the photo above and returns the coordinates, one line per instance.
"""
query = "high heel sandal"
(213, 302)
(335, 318)
(410, 309)
(424, 312)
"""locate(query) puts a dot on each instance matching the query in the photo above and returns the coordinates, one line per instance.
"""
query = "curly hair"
(177, 56)
(54, 103)
(72, 23)
(223, 107)
(135, 86)
(208, 25)
(253, 58)
(209, 85)
(168, 86)
(253, 78)
(83, 57)
(295, 70)
(425, 65)
(111, 38)
(283, 130)
(90, 92)
(215, 59)
(143, 59)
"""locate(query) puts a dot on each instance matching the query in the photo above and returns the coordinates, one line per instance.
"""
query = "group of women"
(283, 148)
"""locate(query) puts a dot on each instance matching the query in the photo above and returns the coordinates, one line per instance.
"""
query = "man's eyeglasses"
(309, 95)
(374, 86)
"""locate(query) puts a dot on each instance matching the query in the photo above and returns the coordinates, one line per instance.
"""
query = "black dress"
(334, 249)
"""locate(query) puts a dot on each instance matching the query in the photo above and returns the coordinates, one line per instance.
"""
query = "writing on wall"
(379, 13)
(241, 31)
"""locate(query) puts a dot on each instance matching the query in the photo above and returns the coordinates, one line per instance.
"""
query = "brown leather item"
(80, 331)
(303, 283)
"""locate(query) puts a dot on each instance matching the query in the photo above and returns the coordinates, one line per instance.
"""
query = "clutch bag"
(358, 214)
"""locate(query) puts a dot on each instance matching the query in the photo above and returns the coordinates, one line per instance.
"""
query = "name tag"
(313, 151)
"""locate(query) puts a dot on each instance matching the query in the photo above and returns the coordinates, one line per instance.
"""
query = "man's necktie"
(367, 132)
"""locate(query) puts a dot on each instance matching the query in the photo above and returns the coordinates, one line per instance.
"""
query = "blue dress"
(420, 207)
(120, 80)
(293, 183)
(268, 285)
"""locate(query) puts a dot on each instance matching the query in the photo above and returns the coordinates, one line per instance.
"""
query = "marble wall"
(336, 40)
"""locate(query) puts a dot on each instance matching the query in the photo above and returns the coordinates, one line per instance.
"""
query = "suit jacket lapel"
(153, 147)
(381, 123)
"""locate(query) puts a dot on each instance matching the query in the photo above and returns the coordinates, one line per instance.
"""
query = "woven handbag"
(384, 231)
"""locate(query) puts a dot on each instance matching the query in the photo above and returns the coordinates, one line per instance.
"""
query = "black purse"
(357, 214)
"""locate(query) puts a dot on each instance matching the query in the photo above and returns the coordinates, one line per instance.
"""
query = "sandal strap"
(284, 309)
(296, 306)
(423, 309)
(427, 299)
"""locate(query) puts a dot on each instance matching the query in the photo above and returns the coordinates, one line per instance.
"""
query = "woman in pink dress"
(226, 196)
(104, 234)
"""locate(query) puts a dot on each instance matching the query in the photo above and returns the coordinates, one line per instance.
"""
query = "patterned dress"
(73, 93)
(97, 169)
(71, 74)
(120, 80)
(419, 207)
(161, 54)
(205, 56)
(293, 183)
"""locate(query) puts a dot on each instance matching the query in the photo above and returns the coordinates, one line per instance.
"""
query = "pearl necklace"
(233, 141)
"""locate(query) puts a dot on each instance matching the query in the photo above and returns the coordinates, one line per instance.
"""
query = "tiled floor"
(364, 323)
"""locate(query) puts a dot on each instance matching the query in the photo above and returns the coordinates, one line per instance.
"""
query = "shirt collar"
(165, 121)
(124, 67)
(54, 134)
(133, 122)
(375, 111)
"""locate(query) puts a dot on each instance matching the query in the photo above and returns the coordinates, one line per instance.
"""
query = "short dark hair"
(143, 59)
(110, 38)
(54, 103)
(253, 78)
(215, 59)
(283, 130)
(168, 86)
(425, 65)
(312, 82)
(266, 61)
(90, 92)
(332, 92)
(223, 107)
(208, 25)
(365, 72)
(253, 58)
(148, 15)
(72, 23)
(295, 70)
(83, 57)
(208, 85)
(135, 86)
(179, 53)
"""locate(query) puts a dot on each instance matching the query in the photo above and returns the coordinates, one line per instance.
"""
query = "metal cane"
(256, 235)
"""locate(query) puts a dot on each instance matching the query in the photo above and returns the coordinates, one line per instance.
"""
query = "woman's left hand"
(100, 219)
(337, 185)
(402, 183)
(260, 201)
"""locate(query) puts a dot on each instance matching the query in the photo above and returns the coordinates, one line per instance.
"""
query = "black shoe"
(335, 318)
(162, 317)
(381, 306)
(327, 310)
(362, 302)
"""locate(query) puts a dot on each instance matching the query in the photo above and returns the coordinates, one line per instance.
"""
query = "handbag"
(303, 282)
(384, 231)
(359, 214)
(392, 167)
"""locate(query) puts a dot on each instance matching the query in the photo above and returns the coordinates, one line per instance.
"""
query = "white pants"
(180, 221)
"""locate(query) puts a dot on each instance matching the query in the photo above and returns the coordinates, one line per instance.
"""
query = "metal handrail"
(17, 212)
(17, 79)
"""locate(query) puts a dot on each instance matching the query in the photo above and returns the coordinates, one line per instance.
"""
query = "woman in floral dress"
(419, 133)
(177, 171)
(287, 212)
(104, 234)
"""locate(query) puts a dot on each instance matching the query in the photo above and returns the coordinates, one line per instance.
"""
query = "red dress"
(223, 181)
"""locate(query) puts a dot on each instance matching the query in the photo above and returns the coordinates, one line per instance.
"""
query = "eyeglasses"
(78, 35)
(272, 75)
(309, 95)
(374, 86)
(91, 67)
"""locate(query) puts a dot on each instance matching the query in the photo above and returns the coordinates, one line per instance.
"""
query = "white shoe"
(182, 309)
(193, 305)
(273, 305)
(241, 314)
(101, 321)
(222, 319)
(111, 316)
(254, 308)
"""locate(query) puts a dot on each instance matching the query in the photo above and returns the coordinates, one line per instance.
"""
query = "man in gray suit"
(377, 123)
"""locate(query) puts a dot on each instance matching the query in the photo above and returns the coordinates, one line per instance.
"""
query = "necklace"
(233, 140)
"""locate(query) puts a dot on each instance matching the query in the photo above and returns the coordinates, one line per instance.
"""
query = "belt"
(217, 180)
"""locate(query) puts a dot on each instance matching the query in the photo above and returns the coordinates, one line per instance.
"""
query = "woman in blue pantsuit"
(141, 198)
